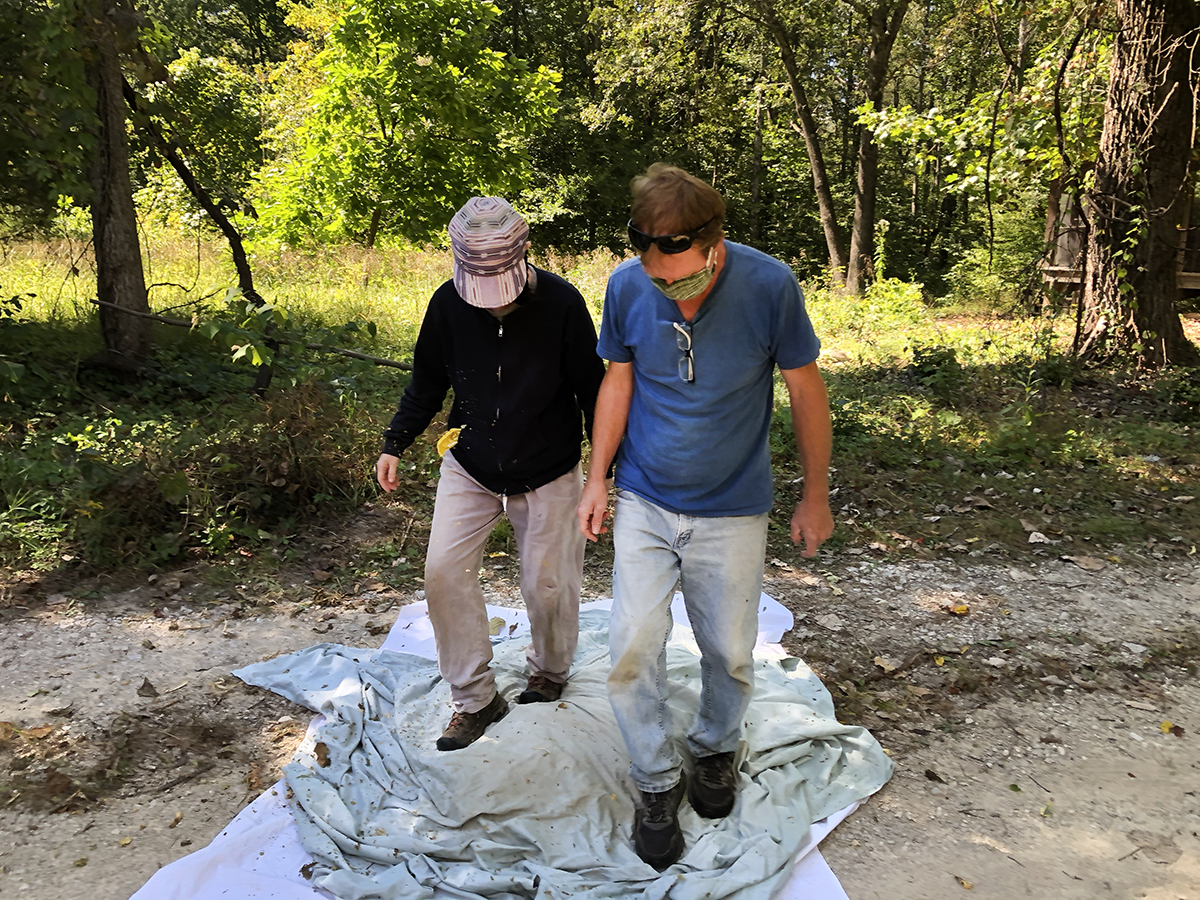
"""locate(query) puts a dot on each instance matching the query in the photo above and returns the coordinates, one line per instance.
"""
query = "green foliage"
(46, 109)
(998, 277)
(150, 482)
(10, 323)
(1181, 391)
(214, 111)
(1026, 143)
(246, 32)
(880, 320)
(413, 115)
(938, 370)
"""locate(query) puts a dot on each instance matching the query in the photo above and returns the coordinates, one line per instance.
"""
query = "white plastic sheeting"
(541, 803)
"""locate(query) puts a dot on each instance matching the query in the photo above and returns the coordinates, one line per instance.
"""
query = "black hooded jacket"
(520, 384)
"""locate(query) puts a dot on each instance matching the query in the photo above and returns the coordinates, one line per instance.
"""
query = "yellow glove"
(447, 440)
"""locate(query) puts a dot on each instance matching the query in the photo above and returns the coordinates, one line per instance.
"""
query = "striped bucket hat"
(488, 239)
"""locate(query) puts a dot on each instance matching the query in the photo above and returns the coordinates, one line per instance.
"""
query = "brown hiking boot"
(465, 728)
(540, 690)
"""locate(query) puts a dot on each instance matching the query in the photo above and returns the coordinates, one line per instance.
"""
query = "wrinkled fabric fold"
(541, 803)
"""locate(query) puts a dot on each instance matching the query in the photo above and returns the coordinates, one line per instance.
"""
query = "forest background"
(276, 176)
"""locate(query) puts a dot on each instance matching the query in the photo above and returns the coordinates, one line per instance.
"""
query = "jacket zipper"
(496, 423)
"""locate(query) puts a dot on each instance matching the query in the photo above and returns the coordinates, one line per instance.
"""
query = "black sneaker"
(466, 728)
(656, 834)
(713, 786)
(540, 690)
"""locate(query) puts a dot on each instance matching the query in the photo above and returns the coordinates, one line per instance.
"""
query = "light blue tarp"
(541, 805)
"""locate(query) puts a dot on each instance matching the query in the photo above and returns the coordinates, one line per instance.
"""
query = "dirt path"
(1025, 706)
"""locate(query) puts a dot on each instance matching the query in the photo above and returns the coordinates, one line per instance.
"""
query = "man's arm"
(612, 413)
(584, 368)
(422, 399)
(812, 522)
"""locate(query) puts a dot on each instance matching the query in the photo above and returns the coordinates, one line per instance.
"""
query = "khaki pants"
(551, 549)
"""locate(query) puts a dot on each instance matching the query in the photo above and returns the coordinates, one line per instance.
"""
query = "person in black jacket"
(518, 347)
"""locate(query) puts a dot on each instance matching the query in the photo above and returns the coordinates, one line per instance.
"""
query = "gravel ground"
(1043, 717)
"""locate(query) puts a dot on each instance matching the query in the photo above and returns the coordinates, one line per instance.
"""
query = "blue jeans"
(718, 563)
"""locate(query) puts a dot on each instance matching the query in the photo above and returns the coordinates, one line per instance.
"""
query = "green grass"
(928, 410)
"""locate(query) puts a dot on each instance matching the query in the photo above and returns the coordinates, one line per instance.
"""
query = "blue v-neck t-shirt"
(700, 448)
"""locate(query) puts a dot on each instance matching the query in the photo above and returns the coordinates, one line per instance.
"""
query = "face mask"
(689, 286)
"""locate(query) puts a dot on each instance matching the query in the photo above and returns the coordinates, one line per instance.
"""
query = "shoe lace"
(715, 772)
(458, 720)
(658, 806)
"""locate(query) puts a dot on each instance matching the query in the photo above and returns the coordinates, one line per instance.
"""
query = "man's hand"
(593, 508)
(812, 524)
(385, 471)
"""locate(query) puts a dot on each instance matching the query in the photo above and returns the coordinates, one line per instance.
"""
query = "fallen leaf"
(963, 882)
(323, 627)
(1142, 704)
(1028, 526)
(373, 628)
(307, 869)
(887, 663)
(37, 732)
(958, 609)
(1048, 809)
(148, 644)
(1015, 788)
(1166, 726)
(780, 564)
(146, 689)
(832, 622)
(497, 554)
(448, 440)
(917, 691)
(81, 862)
(1177, 730)
(1089, 563)
(321, 750)
(57, 783)
(934, 776)
(495, 623)
(176, 819)
(939, 660)
(125, 841)
(321, 575)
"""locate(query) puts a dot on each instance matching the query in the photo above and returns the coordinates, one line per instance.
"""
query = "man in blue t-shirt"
(693, 330)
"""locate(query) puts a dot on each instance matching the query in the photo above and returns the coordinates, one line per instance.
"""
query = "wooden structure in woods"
(1062, 268)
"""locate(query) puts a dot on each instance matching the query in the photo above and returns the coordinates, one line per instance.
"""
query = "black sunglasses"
(667, 243)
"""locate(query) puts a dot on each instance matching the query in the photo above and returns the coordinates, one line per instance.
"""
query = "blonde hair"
(667, 200)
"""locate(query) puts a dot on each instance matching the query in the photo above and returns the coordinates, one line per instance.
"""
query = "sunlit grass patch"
(928, 411)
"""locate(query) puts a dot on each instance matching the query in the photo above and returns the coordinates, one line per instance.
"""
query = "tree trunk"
(1130, 287)
(756, 175)
(884, 21)
(119, 277)
(807, 127)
